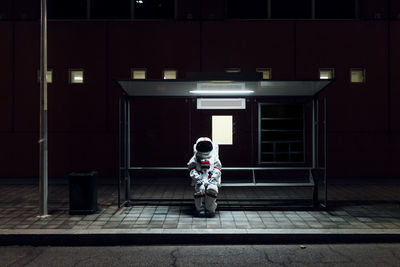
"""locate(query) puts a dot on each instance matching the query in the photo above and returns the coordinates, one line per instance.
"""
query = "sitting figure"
(205, 171)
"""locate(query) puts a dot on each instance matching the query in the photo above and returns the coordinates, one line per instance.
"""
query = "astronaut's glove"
(212, 180)
(195, 175)
(199, 181)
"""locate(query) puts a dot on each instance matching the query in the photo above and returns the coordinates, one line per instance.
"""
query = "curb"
(118, 237)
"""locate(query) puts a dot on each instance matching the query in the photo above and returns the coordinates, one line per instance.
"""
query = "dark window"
(19, 10)
(249, 9)
(66, 9)
(335, 9)
(7, 10)
(281, 133)
(110, 9)
(154, 9)
(291, 9)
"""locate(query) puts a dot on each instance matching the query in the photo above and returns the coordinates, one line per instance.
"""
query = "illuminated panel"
(222, 130)
(221, 103)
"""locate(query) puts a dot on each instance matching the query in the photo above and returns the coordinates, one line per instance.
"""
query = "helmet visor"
(204, 146)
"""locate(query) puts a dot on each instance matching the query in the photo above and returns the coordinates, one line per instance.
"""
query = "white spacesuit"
(205, 171)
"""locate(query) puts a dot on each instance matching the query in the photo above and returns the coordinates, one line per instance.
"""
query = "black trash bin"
(83, 192)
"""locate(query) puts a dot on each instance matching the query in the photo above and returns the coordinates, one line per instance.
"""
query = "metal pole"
(43, 157)
(119, 152)
(325, 153)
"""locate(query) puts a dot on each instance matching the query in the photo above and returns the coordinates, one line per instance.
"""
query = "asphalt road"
(214, 255)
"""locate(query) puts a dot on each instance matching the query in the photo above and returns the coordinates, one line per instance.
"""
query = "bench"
(309, 181)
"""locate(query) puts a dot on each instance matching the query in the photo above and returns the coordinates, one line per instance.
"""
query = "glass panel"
(291, 9)
(281, 133)
(282, 111)
(335, 9)
(249, 9)
(107, 9)
(154, 9)
(67, 9)
(222, 130)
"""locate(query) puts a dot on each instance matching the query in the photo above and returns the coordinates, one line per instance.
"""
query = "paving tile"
(98, 223)
(349, 215)
(22, 226)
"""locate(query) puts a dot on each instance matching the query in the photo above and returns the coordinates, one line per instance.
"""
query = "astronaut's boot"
(199, 204)
(199, 200)
(211, 200)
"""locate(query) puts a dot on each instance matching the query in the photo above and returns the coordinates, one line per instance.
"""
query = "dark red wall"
(249, 45)
(363, 120)
(394, 142)
(357, 113)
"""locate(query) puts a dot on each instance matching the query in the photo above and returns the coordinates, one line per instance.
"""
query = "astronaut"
(205, 171)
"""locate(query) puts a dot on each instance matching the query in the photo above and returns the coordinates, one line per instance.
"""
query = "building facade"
(100, 42)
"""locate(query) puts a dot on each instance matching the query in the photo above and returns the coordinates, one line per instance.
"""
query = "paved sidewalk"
(356, 211)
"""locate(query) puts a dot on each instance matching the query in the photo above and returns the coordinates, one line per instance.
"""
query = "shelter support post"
(313, 134)
(314, 142)
(123, 151)
(321, 165)
(119, 150)
(325, 155)
(128, 151)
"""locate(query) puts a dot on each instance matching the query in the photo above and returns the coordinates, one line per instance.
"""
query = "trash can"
(83, 192)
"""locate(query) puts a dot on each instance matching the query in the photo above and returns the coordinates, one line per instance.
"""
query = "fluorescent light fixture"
(221, 88)
(221, 91)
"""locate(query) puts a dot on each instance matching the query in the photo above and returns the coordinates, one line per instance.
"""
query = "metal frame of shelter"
(218, 88)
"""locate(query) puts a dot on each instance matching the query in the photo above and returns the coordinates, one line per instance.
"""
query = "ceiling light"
(221, 92)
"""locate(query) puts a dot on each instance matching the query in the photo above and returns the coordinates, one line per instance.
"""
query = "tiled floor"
(352, 207)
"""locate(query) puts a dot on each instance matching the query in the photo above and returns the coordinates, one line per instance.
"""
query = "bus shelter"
(233, 93)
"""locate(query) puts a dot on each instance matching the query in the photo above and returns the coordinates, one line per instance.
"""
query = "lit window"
(232, 69)
(222, 130)
(76, 76)
(266, 73)
(169, 74)
(139, 74)
(49, 76)
(325, 74)
(357, 75)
